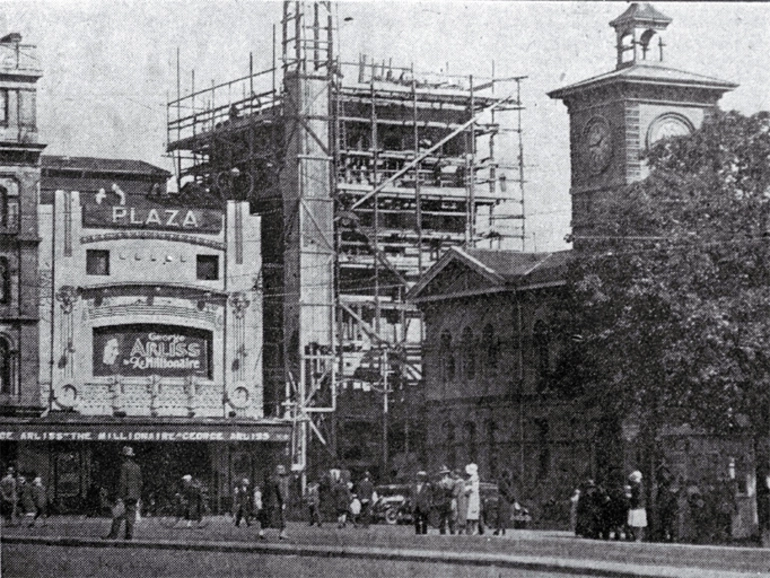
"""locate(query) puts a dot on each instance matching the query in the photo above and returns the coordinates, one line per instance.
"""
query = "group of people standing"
(20, 498)
(336, 494)
(458, 502)
(263, 504)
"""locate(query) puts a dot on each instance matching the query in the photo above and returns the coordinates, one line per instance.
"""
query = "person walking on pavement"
(421, 499)
(473, 491)
(39, 500)
(365, 492)
(505, 499)
(342, 499)
(443, 496)
(275, 497)
(243, 502)
(313, 502)
(637, 514)
(8, 496)
(129, 492)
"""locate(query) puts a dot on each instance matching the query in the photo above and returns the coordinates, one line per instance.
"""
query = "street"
(71, 546)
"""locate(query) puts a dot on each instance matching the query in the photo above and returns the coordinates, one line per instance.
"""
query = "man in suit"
(129, 492)
(421, 499)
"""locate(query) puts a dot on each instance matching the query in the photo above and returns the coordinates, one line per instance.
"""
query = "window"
(27, 106)
(469, 354)
(447, 357)
(541, 344)
(5, 281)
(543, 448)
(450, 447)
(6, 363)
(470, 436)
(490, 346)
(97, 262)
(207, 267)
(4, 107)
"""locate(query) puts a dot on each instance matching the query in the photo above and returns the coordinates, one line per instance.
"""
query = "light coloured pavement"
(524, 550)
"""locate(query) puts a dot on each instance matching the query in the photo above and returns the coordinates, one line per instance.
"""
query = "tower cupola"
(637, 31)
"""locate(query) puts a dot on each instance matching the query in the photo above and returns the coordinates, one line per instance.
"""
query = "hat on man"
(636, 476)
(128, 451)
(187, 478)
(280, 469)
(471, 469)
(444, 470)
(422, 474)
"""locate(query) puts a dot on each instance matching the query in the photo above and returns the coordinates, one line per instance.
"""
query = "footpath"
(544, 551)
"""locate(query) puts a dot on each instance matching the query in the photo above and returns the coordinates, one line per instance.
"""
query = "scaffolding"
(365, 173)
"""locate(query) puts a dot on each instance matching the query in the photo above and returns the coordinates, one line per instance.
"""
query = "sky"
(110, 65)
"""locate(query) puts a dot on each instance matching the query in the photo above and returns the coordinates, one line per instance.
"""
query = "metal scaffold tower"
(365, 173)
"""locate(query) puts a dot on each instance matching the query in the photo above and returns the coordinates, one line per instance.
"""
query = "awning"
(127, 430)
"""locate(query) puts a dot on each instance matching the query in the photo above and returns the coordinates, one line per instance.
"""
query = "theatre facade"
(150, 335)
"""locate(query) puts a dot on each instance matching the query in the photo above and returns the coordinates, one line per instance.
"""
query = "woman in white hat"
(637, 515)
(472, 490)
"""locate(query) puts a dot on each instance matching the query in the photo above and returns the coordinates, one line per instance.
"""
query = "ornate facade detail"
(67, 296)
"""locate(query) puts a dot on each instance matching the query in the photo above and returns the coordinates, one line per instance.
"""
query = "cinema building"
(151, 335)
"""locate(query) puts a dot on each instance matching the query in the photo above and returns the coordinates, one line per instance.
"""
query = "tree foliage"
(671, 293)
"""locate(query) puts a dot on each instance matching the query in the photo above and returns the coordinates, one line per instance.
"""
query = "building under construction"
(364, 173)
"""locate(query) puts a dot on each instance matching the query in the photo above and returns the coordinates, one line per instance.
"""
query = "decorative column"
(67, 296)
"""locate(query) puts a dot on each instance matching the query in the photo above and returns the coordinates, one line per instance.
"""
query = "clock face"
(597, 144)
(667, 126)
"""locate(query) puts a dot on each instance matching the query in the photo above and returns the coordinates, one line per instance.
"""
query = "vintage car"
(392, 505)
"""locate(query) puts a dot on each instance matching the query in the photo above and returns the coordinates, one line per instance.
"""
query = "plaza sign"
(146, 215)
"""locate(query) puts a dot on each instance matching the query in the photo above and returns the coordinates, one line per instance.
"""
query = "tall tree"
(672, 290)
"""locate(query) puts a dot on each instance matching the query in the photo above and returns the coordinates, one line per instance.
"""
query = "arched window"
(3, 207)
(541, 344)
(450, 448)
(646, 43)
(492, 447)
(470, 434)
(469, 354)
(6, 367)
(447, 357)
(5, 281)
(489, 346)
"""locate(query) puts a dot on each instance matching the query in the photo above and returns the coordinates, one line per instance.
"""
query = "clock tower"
(615, 116)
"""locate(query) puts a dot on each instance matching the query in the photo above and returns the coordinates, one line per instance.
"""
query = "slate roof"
(102, 165)
(503, 269)
(648, 73)
(644, 13)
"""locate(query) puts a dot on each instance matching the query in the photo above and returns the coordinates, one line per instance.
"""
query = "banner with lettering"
(140, 213)
(144, 350)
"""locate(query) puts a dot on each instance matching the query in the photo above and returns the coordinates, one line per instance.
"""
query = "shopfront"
(80, 458)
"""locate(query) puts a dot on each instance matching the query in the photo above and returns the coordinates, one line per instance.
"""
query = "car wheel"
(391, 516)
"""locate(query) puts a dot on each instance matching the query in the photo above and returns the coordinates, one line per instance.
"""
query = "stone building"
(494, 344)
(151, 336)
(19, 177)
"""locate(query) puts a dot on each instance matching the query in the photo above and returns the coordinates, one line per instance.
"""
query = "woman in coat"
(637, 514)
(473, 491)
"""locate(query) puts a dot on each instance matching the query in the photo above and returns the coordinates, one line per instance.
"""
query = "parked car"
(392, 505)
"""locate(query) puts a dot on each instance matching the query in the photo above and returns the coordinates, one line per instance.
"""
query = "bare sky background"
(110, 66)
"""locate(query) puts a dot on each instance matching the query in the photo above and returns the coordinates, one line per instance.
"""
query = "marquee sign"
(143, 433)
(144, 214)
(145, 350)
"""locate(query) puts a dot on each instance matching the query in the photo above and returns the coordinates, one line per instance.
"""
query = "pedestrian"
(505, 499)
(243, 498)
(473, 491)
(23, 497)
(39, 500)
(573, 510)
(192, 496)
(637, 514)
(313, 501)
(129, 492)
(355, 510)
(459, 502)
(341, 496)
(421, 501)
(275, 498)
(365, 492)
(443, 500)
(8, 496)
